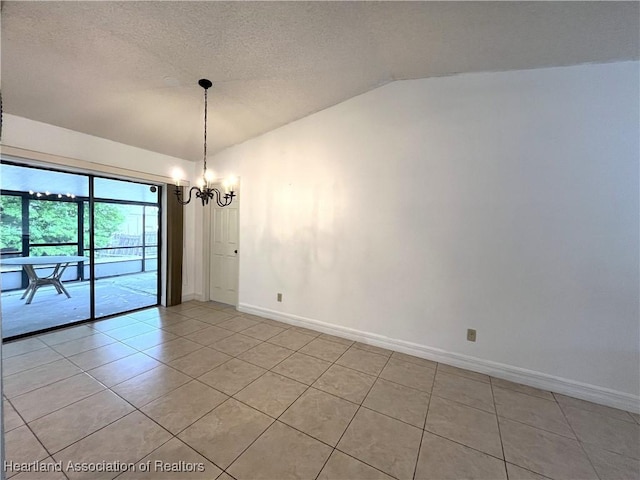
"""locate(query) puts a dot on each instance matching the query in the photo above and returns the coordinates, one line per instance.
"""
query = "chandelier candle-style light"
(204, 190)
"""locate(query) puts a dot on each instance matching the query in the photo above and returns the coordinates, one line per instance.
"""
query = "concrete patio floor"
(49, 309)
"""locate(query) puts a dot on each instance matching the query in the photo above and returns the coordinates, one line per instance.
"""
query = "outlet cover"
(279, 297)
(471, 335)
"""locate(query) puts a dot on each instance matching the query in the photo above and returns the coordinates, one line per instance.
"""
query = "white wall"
(97, 155)
(504, 202)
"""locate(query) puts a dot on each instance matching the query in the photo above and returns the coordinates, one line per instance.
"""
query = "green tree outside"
(55, 222)
(10, 222)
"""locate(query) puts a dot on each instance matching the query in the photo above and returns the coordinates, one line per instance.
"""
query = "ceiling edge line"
(85, 166)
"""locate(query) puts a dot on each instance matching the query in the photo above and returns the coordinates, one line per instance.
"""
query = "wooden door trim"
(175, 229)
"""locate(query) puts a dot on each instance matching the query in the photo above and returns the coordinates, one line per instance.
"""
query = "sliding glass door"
(74, 247)
(126, 223)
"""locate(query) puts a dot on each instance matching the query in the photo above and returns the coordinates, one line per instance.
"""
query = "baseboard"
(188, 297)
(572, 388)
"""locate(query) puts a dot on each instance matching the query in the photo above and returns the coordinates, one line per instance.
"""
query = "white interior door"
(223, 284)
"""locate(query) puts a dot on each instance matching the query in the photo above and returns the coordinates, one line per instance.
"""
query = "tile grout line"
(512, 390)
(593, 412)
(424, 424)
(47, 384)
(577, 438)
(65, 406)
(26, 424)
(138, 461)
(455, 373)
(457, 402)
(96, 431)
(7, 357)
(457, 442)
(537, 428)
(354, 416)
(36, 366)
(504, 457)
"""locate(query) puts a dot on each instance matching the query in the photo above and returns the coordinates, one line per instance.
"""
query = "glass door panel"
(11, 241)
(125, 217)
(41, 250)
(151, 233)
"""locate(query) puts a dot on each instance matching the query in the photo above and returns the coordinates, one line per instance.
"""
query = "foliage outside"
(55, 222)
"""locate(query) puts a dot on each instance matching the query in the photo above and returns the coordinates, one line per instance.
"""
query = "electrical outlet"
(279, 297)
(471, 335)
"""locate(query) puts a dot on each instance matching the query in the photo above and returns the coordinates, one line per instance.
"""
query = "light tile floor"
(249, 398)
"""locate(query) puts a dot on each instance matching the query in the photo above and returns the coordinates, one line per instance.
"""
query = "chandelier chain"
(205, 132)
(205, 191)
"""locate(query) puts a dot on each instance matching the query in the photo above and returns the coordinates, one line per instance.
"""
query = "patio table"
(29, 263)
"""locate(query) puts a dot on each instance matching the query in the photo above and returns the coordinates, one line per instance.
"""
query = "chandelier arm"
(217, 196)
(228, 197)
(178, 193)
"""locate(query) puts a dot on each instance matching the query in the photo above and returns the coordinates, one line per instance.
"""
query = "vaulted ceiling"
(128, 71)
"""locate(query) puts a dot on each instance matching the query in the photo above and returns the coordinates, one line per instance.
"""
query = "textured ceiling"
(128, 71)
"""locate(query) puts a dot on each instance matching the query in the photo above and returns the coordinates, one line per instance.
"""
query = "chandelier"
(204, 189)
